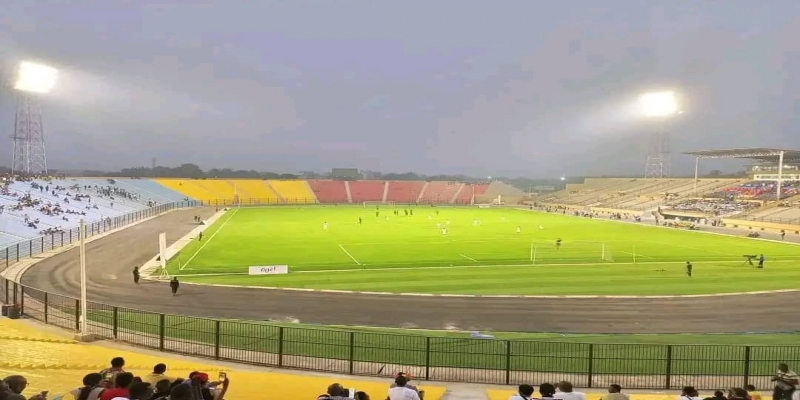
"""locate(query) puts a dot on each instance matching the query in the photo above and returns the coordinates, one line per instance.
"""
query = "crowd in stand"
(762, 190)
(115, 384)
(785, 381)
(716, 206)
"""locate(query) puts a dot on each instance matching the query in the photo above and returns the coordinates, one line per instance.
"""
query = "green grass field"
(410, 253)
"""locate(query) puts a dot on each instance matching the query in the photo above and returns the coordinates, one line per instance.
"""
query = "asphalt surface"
(110, 261)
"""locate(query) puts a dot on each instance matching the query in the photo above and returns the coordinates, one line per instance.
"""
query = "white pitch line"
(322, 271)
(349, 255)
(182, 267)
(468, 258)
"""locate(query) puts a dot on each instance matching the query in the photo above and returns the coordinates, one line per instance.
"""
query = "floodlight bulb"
(659, 104)
(35, 78)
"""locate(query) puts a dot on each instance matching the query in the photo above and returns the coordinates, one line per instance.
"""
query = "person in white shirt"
(524, 392)
(565, 392)
(401, 392)
(615, 393)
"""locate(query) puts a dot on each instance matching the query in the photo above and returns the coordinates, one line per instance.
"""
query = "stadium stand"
(366, 190)
(249, 190)
(150, 190)
(293, 191)
(190, 188)
(404, 191)
(505, 394)
(633, 193)
(58, 364)
(329, 191)
(466, 193)
(716, 207)
(440, 192)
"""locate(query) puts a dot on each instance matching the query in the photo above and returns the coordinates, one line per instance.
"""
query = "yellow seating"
(293, 191)
(194, 189)
(253, 190)
(57, 364)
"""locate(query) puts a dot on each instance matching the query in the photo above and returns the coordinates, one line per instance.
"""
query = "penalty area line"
(349, 255)
(469, 258)
(182, 267)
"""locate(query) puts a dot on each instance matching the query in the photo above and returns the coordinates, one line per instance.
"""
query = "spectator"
(140, 391)
(547, 391)
(565, 392)
(180, 392)
(752, 392)
(157, 375)
(421, 393)
(92, 387)
(162, 389)
(122, 381)
(335, 392)
(718, 395)
(785, 383)
(737, 394)
(12, 387)
(689, 393)
(362, 396)
(615, 393)
(110, 374)
(401, 392)
(524, 392)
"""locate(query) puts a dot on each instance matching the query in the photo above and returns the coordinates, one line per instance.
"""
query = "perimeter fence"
(452, 357)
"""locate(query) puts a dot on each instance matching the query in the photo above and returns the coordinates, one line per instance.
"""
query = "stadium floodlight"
(563, 178)
(658, 104)
(35, 78)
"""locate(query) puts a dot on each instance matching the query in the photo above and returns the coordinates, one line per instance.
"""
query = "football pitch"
(483, 251)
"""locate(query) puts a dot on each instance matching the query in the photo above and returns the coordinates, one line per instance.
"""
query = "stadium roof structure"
(757, 153)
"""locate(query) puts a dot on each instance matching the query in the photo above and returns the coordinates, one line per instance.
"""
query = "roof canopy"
(759, 154)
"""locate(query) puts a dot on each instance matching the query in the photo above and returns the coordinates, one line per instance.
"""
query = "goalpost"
(368, 204)
(570, 252)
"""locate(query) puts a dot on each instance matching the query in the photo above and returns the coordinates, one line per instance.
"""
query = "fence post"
(17, 251)
(21, 300)
(161, 331)
(427, 358)
(115, 322)
(217, 335)
(42, 247)
(45, 307)
(591, 365)
(30, 248)
(351, 356)
(668, 383)
(747, 365)
(77, 315)
(280, 347)
(508, 362)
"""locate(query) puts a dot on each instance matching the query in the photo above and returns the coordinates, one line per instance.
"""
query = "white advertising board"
(268, 270)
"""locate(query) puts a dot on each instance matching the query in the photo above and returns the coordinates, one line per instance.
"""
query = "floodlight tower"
(30, 153)
(658, 107)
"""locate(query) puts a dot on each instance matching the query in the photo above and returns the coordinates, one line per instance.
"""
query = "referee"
(689, 269)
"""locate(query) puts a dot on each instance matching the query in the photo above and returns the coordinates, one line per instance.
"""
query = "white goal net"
(570, 252)
(368, 204)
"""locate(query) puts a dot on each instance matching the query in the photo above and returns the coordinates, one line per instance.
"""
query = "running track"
(111, 259)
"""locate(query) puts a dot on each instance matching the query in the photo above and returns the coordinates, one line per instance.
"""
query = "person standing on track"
(136, 275)
(174, 285)
(200, 237)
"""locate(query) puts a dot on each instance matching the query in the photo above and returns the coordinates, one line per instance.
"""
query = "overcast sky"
(529, 87)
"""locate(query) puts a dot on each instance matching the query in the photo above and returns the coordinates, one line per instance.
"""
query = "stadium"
(657, 282)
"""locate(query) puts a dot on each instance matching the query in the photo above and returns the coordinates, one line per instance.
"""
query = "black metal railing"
(441, 358)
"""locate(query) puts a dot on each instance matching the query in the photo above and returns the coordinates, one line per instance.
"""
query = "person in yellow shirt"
(157, 375)
(752, 393)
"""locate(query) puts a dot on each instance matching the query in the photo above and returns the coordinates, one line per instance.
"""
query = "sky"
(514, 87)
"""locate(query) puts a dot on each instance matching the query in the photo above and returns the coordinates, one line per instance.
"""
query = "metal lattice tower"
(658, 162)
(30, 155)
